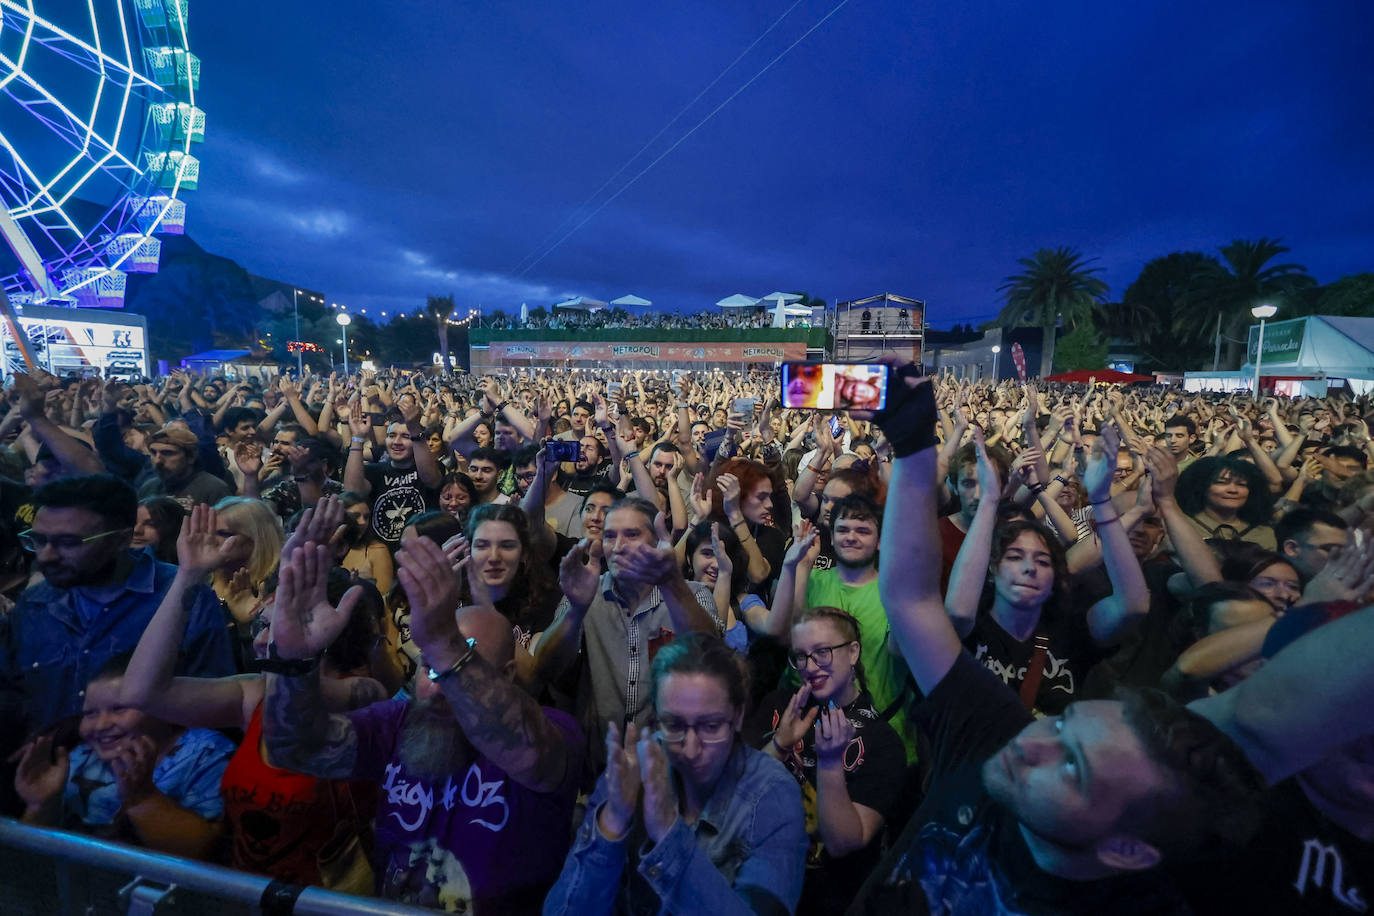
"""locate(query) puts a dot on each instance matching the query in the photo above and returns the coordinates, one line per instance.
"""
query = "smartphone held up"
(835, 386)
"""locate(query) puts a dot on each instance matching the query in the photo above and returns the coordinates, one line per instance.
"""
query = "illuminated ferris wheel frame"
(134, 132)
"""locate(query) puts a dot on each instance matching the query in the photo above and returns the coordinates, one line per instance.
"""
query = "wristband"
(629, 455)
(287, 667)
(778, 747)
(437, 676)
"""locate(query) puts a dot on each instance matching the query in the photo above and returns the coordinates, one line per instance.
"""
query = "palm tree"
(1157, 298)
(1057, 285)
(441, 308)
(1221, 300)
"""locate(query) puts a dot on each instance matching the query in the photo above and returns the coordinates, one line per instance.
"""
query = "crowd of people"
(649, 643)
(616, 318)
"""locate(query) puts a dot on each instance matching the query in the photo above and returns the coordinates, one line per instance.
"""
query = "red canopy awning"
(1081, 376)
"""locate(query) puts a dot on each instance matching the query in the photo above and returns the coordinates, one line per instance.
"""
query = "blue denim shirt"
(746, 853)
(50, 645)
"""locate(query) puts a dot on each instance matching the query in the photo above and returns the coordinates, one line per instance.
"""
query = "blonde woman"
(246, 576)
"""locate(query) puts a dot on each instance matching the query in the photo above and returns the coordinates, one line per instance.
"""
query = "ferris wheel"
(98, 118)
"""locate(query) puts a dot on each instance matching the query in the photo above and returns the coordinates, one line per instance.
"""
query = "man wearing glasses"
(96, 598)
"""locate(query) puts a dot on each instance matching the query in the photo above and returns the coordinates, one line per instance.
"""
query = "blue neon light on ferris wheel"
(98, 118)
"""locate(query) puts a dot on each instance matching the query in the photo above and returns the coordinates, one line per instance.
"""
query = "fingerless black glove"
(908, 420)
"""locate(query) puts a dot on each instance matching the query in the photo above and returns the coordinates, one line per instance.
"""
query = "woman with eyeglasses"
(688, 818)
(283, 840)
(849, 763)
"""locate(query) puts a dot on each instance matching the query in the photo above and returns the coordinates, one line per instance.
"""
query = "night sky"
(383, 151)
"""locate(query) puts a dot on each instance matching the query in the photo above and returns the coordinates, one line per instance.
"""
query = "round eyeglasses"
(822, 656)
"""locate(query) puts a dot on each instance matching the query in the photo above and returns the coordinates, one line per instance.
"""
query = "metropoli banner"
(508, 353)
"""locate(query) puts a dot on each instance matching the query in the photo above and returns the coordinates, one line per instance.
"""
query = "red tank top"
(279, 819)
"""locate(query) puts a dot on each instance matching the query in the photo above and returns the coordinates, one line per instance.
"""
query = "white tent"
(631, 300)
(738, 301)
(583, 304)
(1302, 354)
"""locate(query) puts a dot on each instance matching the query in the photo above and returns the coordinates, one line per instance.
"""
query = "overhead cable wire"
(664, 129)
(661, 156)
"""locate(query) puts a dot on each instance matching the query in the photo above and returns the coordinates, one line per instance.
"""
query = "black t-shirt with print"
(1300, 862)
(397, 494)
(874, 764)
(963, 854)
(1072, 652)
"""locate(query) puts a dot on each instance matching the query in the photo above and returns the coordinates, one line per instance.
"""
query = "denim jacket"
(48, 652)
(746, 854)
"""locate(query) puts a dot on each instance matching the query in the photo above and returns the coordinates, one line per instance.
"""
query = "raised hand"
(988, 480)
(660, 798)
(248, 457)
(1097, 477)
(359, 424)
(298, 457)
(793, 723)
(728, 484)
(319, 525)
(700, 499)
(622, 781)
(304, 623)
(477, 586)
(724, 565)
(42, 772)
(133, 767)
(435, 595)
(1159, 461)
(1347, 576)
(834, 731)
(200, 549)
(578, 581)
(805, 547)
(456, 549)
(650, 564)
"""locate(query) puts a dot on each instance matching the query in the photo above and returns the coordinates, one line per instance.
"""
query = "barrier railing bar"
(198, 877)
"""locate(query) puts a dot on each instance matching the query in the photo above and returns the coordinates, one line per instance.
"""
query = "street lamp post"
(1263, 313)
(300, 357)
(344, 321)
(996, 361)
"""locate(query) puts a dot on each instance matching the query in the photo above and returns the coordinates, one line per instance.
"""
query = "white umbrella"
(782, 311)
(582, 304)
(738, 301)
(783, 297)
(631, 299)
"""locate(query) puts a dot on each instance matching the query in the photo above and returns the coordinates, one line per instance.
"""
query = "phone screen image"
(835, 386)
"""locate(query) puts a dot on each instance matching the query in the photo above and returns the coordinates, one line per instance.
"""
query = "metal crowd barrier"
(55, 873)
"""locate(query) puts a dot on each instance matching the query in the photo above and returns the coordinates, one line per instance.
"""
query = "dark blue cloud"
(382, 152)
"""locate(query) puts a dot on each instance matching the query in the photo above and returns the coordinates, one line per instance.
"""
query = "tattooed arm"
(300, 734)
(500, 719)
(299, 731)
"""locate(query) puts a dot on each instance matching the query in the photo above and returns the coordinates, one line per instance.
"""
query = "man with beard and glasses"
(477, 781)
(852, 586)
(95, 600)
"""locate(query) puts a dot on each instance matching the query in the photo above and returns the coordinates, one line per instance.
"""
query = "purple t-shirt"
(477, 842)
